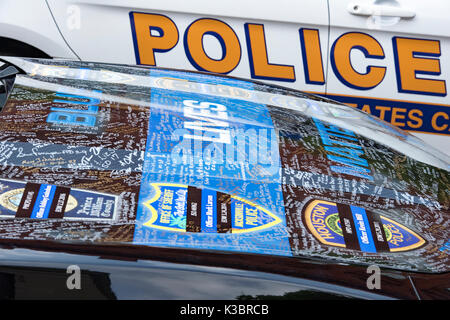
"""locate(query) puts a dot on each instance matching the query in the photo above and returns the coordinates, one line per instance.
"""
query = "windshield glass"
(94, 154)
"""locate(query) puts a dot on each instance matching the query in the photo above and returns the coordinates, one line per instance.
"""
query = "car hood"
(97, 154)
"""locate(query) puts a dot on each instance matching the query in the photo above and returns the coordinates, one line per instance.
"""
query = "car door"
(282, 42)
(391, 58)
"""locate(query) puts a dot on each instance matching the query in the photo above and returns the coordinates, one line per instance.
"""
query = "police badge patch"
(355, 228)
(182, 208)
(20, 199)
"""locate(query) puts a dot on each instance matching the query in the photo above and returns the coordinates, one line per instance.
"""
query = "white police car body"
(390, 58)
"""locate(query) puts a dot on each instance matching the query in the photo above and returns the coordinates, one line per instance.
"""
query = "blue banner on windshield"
(211, 177)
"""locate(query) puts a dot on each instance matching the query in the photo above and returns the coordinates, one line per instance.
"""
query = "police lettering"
(156, 33)
(358, 61)
(318, 222)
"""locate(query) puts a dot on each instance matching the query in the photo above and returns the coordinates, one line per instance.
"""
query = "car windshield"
(109, 157)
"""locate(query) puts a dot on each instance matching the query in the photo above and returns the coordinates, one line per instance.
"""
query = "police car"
(190, 185)
(389, 58)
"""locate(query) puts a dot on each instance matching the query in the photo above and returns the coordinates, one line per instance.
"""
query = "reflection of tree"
(30, 95)
(297, 295)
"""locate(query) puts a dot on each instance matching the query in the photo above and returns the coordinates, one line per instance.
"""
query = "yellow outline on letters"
(410, 247)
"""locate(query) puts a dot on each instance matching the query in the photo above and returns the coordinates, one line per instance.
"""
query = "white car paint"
(31, 22)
